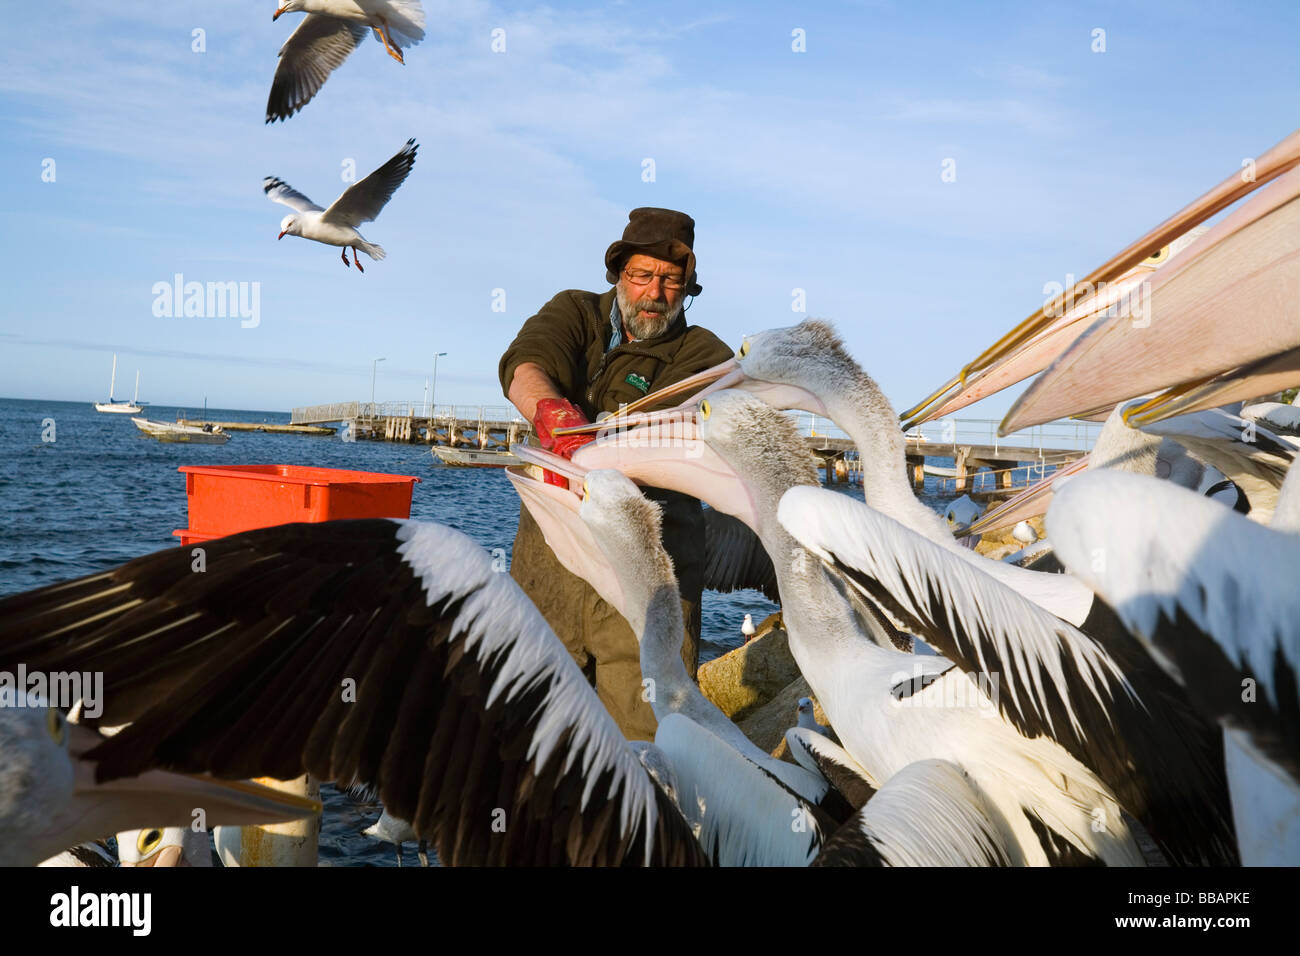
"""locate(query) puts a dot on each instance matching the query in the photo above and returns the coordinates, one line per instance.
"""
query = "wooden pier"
(486, 427)
(972, 444)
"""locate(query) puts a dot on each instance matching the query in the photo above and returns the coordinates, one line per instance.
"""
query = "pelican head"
(163, 846)
(289, 226)
(50, 798)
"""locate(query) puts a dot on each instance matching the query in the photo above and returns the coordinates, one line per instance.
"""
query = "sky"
(133, 147)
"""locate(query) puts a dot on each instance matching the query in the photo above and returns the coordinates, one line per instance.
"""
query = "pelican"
(54, 791)
(1045, 797)
(164, 846)
(1211, 594)
(1247, 267)
(383, 652)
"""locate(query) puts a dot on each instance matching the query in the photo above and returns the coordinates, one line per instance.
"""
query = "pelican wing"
(277, 190)
(734, 557)
(389, 653)
(1255, 458)
(927, 814)
(1047, 677)
(1211, 593)
(313, 51)
(814, 752)
(747, 817)
(362, 201)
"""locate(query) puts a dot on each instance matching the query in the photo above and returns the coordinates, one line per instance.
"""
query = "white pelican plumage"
(749, 459)
(1212, 596)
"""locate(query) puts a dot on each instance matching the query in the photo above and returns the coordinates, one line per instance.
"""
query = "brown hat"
(660, 233)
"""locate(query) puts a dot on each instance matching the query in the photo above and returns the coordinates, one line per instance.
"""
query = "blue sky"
(818, 170)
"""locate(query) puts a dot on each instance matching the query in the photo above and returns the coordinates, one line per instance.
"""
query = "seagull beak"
(280, 236)
(727, 374)
(276, 16)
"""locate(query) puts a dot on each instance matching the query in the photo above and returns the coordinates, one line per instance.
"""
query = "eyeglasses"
(670, 283)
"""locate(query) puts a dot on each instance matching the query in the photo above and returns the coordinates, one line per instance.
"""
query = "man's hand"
(553, 413)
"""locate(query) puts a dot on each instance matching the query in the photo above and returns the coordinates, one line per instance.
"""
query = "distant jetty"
(261, 427)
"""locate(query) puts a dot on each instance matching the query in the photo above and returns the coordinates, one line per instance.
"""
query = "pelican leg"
(389, 45)
(423, 852)
(356, 257)
(345, 256)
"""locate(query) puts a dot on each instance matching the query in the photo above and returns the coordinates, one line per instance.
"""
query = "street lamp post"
(373, 366)
(433, 394)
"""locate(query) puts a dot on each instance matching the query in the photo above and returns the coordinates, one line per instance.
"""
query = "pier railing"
(347, 411)
(1055, 436)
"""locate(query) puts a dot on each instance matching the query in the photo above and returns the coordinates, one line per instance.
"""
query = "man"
(586, 353)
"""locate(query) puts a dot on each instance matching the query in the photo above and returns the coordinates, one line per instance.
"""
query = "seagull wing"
(383, 652)
(734, 558)
(1208, 591)
(277, 190)
(1097, 700)
(362, 201)
(313, 51)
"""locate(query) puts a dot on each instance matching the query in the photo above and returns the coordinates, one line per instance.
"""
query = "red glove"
(553, 413)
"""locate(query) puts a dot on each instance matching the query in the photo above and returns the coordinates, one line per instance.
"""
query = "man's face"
(650, 293)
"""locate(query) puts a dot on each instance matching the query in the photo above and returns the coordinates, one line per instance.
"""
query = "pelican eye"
(148, 841)
(1158, 258)
(56, 725)
(743, 350)
(705, 410)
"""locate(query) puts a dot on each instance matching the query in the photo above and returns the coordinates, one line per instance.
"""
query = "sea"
(83, 491)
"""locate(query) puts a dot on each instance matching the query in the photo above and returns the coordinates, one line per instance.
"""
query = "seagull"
(360, 202)
(747, 627)
(808, 718)
(1024, 533)
(392, 830)
(330, 32)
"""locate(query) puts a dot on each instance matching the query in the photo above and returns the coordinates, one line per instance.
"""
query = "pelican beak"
(281, 235)
(726, 374)
(557, 512)
(664, 450)
(1033, 501)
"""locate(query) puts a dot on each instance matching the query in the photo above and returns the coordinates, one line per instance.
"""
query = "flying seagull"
(331, 30)
(360, 202)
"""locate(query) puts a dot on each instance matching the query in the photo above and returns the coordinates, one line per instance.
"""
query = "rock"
(741, 681)
(767, 725)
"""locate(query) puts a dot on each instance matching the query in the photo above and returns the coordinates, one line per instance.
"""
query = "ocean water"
(82, 491)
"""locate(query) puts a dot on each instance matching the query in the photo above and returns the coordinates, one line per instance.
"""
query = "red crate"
(234, 498)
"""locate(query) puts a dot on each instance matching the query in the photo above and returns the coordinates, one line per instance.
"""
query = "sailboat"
(115, 406)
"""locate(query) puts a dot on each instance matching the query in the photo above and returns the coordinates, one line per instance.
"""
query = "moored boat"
(171, 431)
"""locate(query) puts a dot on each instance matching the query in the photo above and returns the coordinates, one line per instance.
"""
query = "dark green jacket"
(567, 339)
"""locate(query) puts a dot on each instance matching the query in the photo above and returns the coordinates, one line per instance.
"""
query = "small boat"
(474, 457)
(112, 405)
(171, 431)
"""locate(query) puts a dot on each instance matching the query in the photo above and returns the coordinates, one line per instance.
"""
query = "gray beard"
(640, 328)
